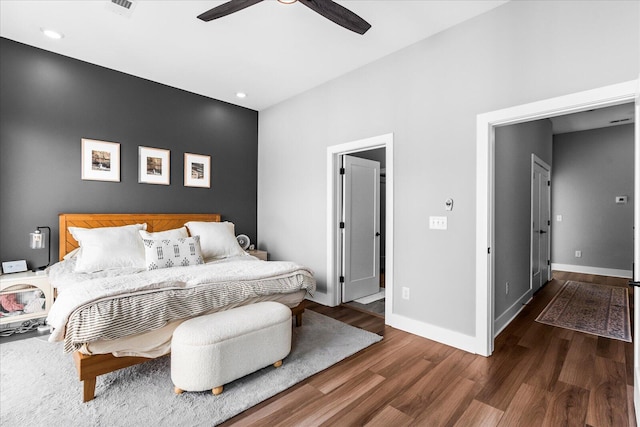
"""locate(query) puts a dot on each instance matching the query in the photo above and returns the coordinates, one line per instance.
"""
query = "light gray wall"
(513, 147)
(429, 95)
(590, 169)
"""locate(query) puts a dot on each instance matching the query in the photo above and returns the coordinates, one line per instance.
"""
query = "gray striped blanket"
(108, 308)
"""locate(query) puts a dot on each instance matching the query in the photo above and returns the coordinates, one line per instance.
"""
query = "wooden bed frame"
(90, 367)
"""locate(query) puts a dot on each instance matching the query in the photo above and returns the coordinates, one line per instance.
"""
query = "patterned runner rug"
(595, 309)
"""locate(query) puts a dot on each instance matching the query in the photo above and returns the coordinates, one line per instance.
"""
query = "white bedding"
(244, 276)
(157, 343)
(62, 275)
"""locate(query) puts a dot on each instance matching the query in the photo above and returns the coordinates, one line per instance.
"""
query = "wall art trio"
(101, 162)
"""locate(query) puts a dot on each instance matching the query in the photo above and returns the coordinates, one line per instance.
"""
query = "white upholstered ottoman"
(212, 350)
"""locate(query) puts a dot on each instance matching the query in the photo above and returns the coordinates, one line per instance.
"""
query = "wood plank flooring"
(539, 375)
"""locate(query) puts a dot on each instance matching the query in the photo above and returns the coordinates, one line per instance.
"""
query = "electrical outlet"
(578, 254)
(506, 288)
(405, 293)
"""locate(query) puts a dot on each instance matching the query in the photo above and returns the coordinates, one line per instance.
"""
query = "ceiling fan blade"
(338, 14)
(226, 9)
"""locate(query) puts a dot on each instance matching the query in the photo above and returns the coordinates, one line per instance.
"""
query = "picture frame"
(154, 166)
(100, 160)
(197, 170)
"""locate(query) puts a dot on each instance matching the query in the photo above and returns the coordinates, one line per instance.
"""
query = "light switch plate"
(438, 222)
(14, 266)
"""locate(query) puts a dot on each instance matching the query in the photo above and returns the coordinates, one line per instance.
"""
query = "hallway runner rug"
(587, 307)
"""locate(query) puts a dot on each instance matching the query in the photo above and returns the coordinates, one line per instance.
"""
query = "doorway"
(486, 124)
(592, 155)
(360, 226)
(383, 144)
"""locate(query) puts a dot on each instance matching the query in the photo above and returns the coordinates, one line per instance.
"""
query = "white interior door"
(540, 222)
(361, 210)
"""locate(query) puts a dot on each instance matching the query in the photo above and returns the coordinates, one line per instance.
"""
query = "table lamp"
(37, 240)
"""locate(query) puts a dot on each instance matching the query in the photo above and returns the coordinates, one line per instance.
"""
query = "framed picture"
(100, 160)
(154, 165)
(197, 170)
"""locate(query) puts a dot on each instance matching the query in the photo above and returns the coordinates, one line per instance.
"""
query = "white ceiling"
(616, 115)
(270, 51)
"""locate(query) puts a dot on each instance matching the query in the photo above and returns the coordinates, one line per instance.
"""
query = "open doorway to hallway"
(487, 123)
(589, 226)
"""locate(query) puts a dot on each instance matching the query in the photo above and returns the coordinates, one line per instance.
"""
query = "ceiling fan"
(327, 8)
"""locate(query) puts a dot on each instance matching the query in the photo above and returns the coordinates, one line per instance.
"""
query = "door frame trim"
(636, 257)
(535, 159)
(334, 290)
(485, 174)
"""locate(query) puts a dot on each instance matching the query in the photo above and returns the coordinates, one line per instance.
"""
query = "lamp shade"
(37, 240)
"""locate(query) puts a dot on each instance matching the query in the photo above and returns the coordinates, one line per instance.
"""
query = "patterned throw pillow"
(166, 253)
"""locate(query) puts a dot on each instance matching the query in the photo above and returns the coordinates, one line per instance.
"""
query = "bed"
(115, 317)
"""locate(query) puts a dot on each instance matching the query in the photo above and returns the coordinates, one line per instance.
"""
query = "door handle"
(543, 232)
(378, 234)
(632, 283)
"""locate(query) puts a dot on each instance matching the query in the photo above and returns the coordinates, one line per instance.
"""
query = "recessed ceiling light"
(52, 34)
(241, 95)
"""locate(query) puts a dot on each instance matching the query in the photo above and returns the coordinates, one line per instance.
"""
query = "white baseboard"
(321, 298)
(505, 318)
(445, 336)
(592, 270)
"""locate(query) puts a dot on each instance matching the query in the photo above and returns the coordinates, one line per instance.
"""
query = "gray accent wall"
(591, 168)
(512, 252)
(429, 96)
(49, 102)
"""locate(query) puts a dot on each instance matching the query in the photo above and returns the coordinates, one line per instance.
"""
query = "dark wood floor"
(539, 375)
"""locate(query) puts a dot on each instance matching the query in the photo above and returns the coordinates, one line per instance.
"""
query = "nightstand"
(28, 289)
(263, 255)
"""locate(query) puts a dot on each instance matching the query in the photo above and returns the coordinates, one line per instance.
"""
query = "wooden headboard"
(155, 222)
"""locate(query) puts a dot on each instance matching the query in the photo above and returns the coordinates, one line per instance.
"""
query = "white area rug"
(372, 298)
(39, 385)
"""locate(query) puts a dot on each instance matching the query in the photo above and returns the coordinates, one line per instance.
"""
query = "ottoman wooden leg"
(178, 390)
(278, 364)
(217, 390)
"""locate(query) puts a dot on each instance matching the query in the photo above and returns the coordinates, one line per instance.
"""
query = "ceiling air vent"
(619, 121)
(121, 7)
(123, 3)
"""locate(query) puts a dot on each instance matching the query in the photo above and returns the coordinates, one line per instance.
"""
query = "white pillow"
(109, 247)
(217, 239)
(176, 233)
(167, 253)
